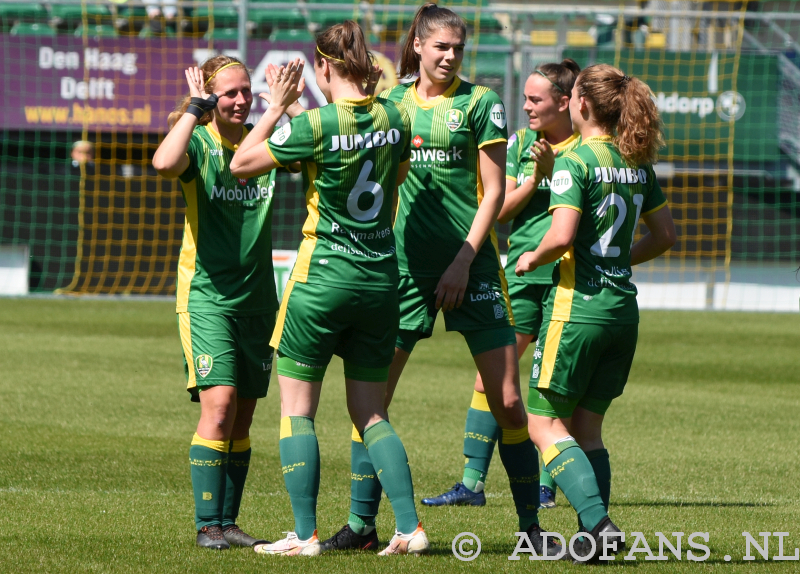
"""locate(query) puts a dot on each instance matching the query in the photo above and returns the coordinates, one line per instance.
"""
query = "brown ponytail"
(210, 67)
(562, 76)
(428, 19)
(624, 107)
(345, 48)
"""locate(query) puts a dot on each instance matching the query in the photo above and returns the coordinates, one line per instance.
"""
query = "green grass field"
(96, 427)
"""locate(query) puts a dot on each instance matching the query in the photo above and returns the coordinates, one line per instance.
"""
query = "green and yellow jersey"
(593, 279)
(225, 264)
(443, 190)
(530, 224)
(350, 153)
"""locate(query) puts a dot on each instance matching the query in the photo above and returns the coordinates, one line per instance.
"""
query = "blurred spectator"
(82, 153)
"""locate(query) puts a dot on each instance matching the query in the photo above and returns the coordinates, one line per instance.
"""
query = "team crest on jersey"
(417, 141)
(454, 119)
(203, 364)
(280, 136)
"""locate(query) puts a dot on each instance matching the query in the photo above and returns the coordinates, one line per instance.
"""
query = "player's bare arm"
(556, 242)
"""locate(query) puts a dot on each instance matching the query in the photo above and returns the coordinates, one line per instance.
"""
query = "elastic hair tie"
(626, 79)
(220, 69)
(324, 55)
(559, 88)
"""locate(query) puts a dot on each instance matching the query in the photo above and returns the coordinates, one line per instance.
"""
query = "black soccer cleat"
(346, 539)
(238, 537)
(583, 546)
(553, 548)
(212, 537)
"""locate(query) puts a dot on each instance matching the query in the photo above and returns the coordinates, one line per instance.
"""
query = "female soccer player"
(529, 165)
(225, 291)
(588, 338)
(342, 295)
(446, 212)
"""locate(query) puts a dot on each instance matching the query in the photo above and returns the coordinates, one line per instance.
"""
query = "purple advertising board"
(112, 84)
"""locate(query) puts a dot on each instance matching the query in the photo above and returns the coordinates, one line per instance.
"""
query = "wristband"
(198, 107)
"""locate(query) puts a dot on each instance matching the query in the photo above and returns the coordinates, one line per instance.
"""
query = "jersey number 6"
(363, 185)
(603, 247)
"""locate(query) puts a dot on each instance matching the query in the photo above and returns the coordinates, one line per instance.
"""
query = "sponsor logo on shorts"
(203, 364)
(484, 286)
(299, 364)
(208, 496)
(488, 296)
(537, 352)
(554, 398)
(535, 373)
(323, 261)
(454, 119)
(498, 312)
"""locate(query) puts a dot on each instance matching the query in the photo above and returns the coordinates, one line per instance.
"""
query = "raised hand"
(286, 85)
(196, 81)
(544, 156)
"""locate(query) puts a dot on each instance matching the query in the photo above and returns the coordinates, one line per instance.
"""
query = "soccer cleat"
(583, 547)
(415, 543)
(212, 537)
(347, 539)
(459, 495)
(292, 546)
(238, 537)
(547, 498)
(553, 548)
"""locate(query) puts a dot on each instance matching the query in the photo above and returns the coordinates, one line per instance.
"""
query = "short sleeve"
(195, 155)
(293, 142)
(568, 184)
(405, 155)
(488, 120)
(512, 156)
(654, 199)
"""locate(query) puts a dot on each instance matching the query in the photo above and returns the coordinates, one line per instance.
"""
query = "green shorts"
(227, 350)
(485, 305)
(527, 304)
(316, 322)
(580, 364)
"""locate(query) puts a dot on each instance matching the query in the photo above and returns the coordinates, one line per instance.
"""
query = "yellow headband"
(324, 55)
(220, 69)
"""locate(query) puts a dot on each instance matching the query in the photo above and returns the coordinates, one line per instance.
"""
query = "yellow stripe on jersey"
(502, 274)
(655, 208)
(552, 208)
(429, 104)
(504, 140)
(188, 258)
(185, 329)
(224, 141)
(511, 178)
(562, 305)
(567, 142)
(303, 262)
(275, 341)
(269, 151)
(551, 343)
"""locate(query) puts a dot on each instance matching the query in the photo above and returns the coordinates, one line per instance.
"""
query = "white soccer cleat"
(292, 546)
(415, 543)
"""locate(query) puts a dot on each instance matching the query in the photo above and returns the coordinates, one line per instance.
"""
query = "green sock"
(300, 465)
(602, 471)
(522, 466)
(545, 479)
(480, 434)
(389, 458)
(573, 473)
(238, 465)
(207, 461)
(365, 488)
